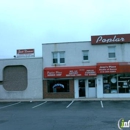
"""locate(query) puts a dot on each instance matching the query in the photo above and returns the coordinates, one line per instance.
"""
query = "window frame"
(111, 52)
(58, 57)
(51, 83)
(116, 83)
(85, 55)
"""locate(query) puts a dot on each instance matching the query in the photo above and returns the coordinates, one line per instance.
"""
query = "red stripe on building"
(124, 67)
(64, 72)
(87, 71)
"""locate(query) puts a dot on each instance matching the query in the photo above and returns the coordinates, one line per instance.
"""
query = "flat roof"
(64, 42)
(24, 58)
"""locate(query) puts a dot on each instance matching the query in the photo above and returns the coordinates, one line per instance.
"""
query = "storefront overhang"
(113, 67)
(87, 71)
(64, 72)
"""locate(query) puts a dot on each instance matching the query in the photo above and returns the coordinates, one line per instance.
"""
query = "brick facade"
(69, 94)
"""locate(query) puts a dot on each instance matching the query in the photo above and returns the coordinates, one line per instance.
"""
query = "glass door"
(81, 84)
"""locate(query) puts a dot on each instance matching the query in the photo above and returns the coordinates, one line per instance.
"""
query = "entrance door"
(92, 87)
(81, 85)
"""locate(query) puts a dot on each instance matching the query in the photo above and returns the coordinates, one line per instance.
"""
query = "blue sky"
(27, 24)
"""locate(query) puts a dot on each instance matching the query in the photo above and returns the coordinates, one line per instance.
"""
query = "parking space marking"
(70, 104)
(101, 104)
(10, 105)
(39, 104)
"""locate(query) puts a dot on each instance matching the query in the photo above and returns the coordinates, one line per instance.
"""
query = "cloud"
(29, 23)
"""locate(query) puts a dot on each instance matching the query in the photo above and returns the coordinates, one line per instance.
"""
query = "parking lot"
(63, 115)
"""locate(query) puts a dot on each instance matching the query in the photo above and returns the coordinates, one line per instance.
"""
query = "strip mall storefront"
(69, 82)
(99, 81)
(115, 79)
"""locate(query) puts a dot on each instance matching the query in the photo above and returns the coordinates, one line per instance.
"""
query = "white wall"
(99, 86)
(126, 95)
(97, 53)
(73, 53)
(76, 88)
(34, 71)
(125, 48)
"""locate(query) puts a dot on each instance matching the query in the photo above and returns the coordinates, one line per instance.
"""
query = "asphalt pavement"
(63, 115)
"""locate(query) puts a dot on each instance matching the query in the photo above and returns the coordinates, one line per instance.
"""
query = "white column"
(76, 88)
(99, 86)
(86, 88)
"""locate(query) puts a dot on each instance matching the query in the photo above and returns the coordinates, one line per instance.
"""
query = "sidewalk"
(65, 99)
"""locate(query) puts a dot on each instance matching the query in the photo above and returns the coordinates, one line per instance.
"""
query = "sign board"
(106, 39)
(87, 71)
(60, 72)
(24, 53)
(107, 68)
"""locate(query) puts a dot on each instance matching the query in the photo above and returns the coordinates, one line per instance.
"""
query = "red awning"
(124, 67)
(73, 71)
(87, 71)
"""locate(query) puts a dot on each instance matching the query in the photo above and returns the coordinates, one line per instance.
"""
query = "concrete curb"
(78, 99)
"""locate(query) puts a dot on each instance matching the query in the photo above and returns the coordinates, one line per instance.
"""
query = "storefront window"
(116, 83)
(58, 85)
(124, 83)
(91, 83)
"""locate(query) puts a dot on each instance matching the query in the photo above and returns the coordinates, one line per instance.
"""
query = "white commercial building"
(99, 68)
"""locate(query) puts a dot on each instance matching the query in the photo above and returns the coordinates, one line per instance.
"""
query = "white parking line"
(101, 104)
(39, 104)
(70, 104)
(10, 105)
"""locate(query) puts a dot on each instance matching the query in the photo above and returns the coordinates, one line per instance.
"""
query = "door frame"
(87, 94)
(89, 88)
(76, 88)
